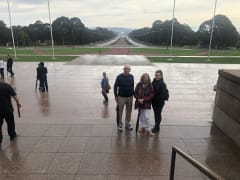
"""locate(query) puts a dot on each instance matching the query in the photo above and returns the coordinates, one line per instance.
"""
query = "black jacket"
(9, 62)
(42, 73)
(6, 92)
(160, 89)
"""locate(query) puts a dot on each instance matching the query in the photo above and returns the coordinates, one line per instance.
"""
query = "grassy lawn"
(225, 52)
(160, 51)
(4, 51)
(70, 50)
(44, 58)
(48, 51)
(186, 52)
(224, 60)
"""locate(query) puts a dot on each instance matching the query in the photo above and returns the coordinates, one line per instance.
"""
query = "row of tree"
(224, 33)
(66, 31)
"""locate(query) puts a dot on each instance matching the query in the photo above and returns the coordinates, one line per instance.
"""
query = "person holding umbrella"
(123, 92)
(144, 94)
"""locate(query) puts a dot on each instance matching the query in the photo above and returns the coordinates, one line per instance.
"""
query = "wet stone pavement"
(69, 134)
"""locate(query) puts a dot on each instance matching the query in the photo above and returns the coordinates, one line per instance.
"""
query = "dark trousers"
(105, 96)
(2, 73)
(8, 116)
(157, 109)
(9, 69)
(43, 85)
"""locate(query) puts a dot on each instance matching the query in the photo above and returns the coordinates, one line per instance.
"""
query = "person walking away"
(38, 77)
(123, 92)
(105, 88)
(10, 65)
(42, 75)
(6, 109)
(144, 94)
(2, 69)
(160, 96)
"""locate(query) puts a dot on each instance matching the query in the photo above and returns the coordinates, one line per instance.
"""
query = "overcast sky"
(120, 13)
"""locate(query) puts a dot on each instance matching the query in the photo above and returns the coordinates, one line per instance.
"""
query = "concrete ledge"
(229, 104)
(231, 74)
(226, 113)
(229, 126)
(229, 85)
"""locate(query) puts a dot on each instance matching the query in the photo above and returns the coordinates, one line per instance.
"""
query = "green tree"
(5, 34)
(224, 33)
(62, 30)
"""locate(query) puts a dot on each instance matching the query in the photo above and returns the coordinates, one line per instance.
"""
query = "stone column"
(226, 113)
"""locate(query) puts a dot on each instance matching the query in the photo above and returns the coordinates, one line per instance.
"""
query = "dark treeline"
(224, 34)
(66, 31)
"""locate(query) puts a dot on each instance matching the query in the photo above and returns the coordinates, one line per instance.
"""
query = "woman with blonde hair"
(144, 93)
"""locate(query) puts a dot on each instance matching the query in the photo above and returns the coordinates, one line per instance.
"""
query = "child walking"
(144, 93)
(105, 88)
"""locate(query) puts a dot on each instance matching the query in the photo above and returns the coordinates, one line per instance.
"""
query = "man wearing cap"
(123, 91)
(6, 109)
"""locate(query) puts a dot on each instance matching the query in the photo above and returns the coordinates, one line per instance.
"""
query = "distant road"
(121, 42)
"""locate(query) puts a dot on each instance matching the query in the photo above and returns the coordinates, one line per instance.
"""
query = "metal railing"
(209, 173)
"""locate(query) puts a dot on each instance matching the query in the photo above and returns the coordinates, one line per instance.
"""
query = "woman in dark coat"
(160, 95)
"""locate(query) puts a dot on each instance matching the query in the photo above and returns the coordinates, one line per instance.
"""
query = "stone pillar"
(226, 113)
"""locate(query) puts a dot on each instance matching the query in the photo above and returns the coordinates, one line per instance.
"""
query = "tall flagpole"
(10, 20)
(49, 14)
(173, 17)
(213, 23)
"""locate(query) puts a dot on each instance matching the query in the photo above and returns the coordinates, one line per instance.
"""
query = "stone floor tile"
(94, 163)
(57, 130)
(21, 177)
(98, 144)
(65, 163)
(37, 162)
(73, 144)
(57, 177)
(91, 177)
(48, 144)
(139, 164)
(102, 130)
(24, 144)
(79, 131)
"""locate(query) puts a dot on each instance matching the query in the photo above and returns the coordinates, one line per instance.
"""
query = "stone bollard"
(226, 113)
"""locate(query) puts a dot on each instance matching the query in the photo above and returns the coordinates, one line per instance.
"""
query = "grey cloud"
(30, 1)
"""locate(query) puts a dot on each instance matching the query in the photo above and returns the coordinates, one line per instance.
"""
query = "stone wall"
(226, 113)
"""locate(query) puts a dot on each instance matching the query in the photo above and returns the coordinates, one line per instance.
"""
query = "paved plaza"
(69, 134)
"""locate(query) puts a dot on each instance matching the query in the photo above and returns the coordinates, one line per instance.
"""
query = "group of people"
(7, 92)
(9, 67)
(147, 94)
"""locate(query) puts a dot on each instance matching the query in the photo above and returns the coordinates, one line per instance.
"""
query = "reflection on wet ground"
(69, 134)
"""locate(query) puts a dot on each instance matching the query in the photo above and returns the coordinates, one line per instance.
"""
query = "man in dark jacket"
(10, 65)
(6, 109)
(42, 77)
(123, 91)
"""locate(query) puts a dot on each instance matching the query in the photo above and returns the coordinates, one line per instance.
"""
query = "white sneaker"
(120, 128)
(129, 127)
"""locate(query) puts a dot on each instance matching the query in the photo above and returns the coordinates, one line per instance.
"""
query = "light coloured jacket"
(1, 64)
